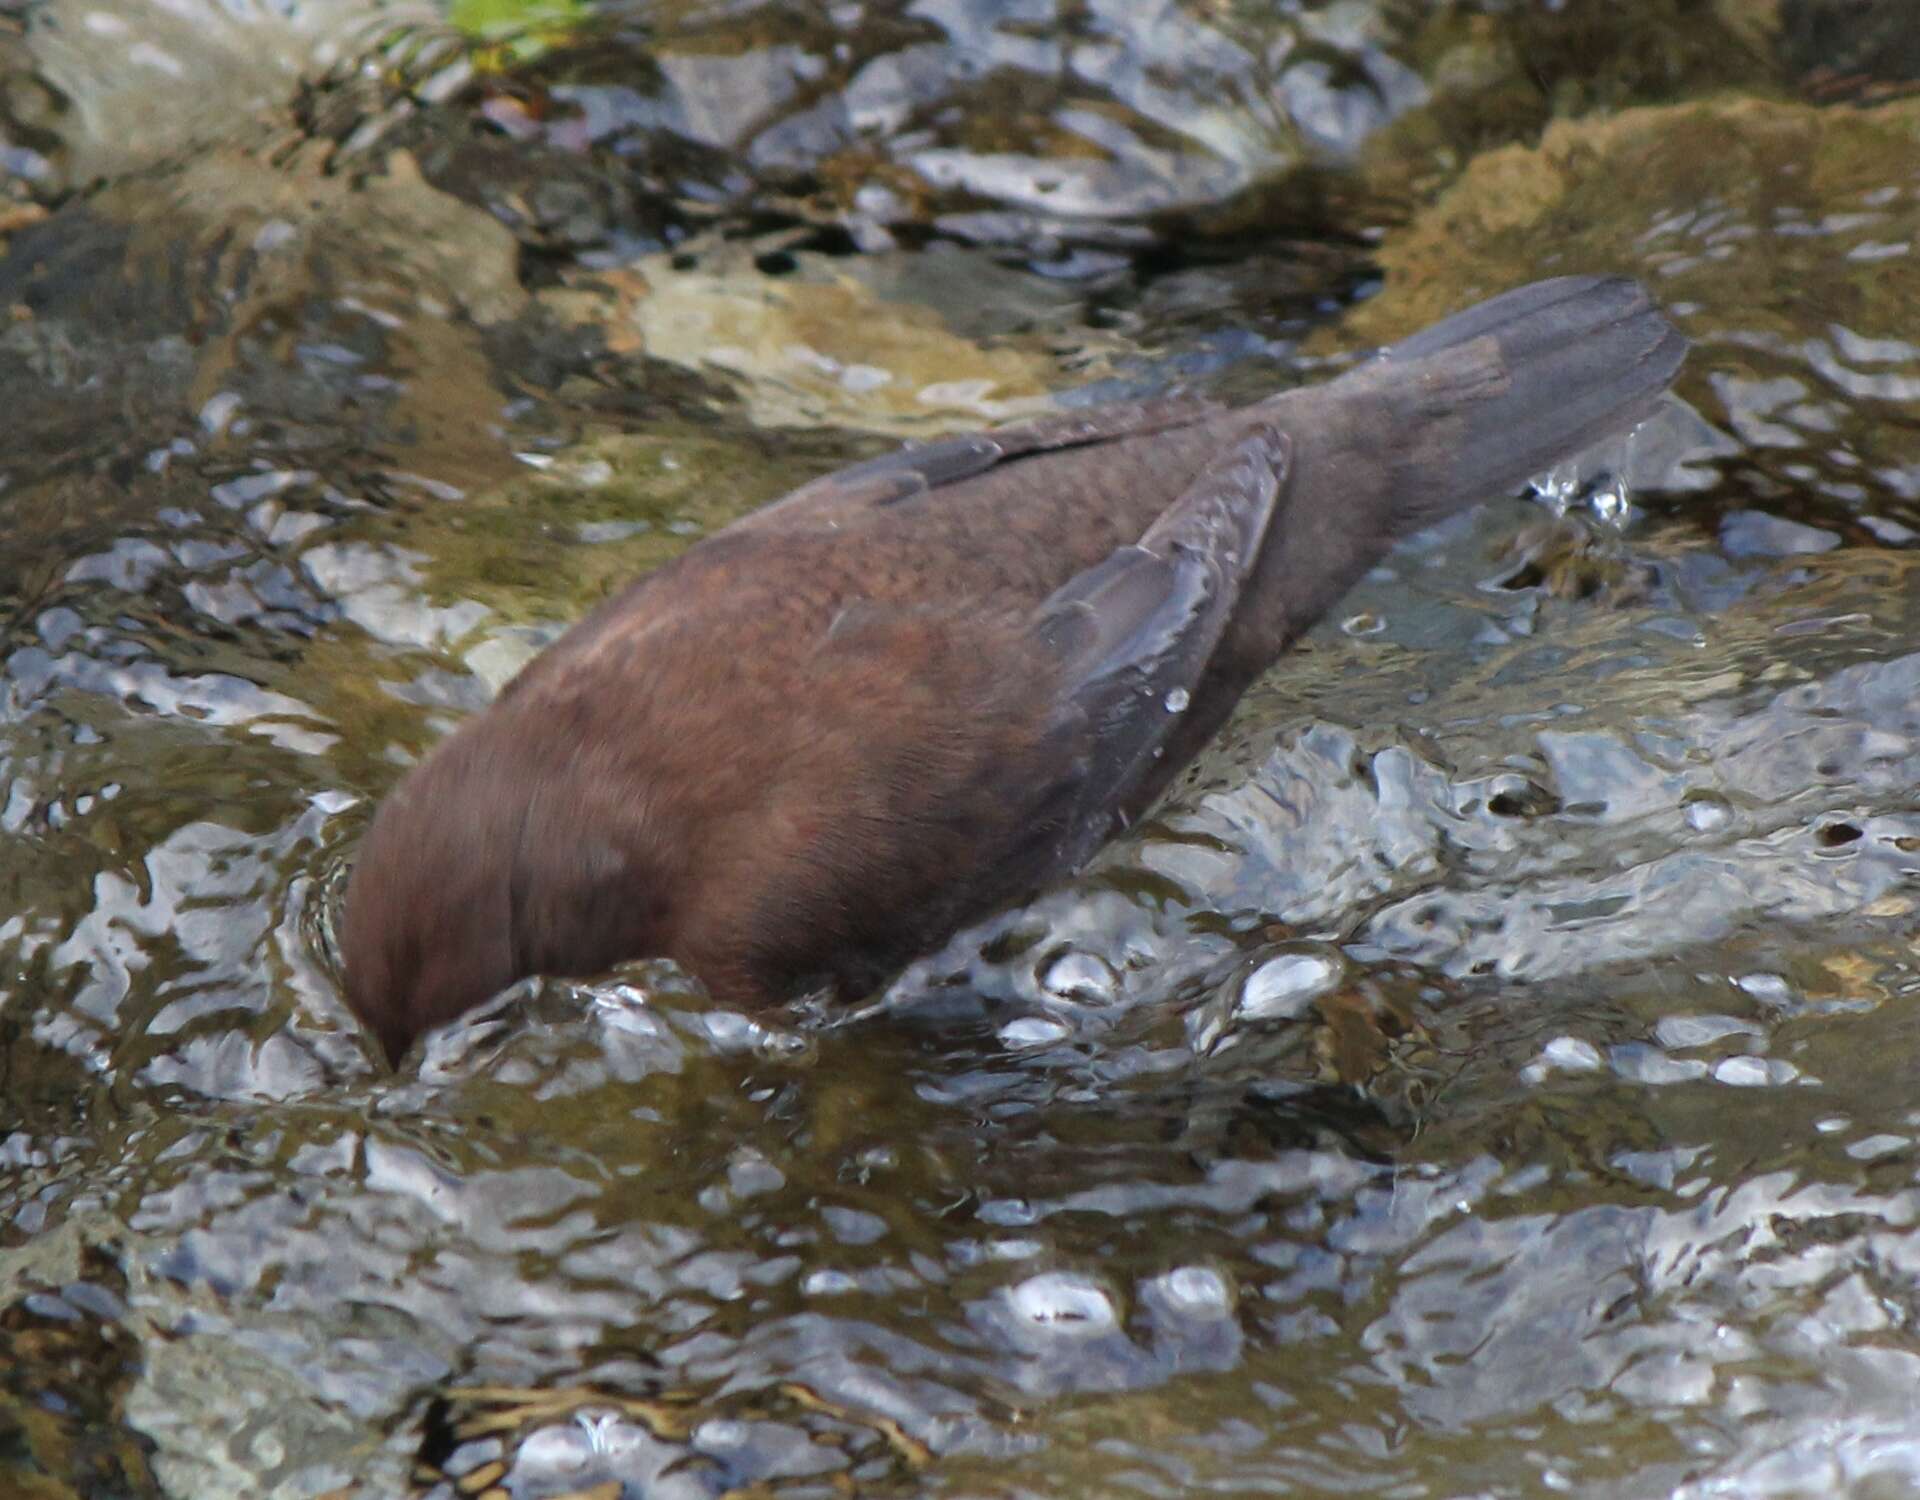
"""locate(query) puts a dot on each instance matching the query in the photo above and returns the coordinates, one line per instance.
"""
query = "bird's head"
(494, 859)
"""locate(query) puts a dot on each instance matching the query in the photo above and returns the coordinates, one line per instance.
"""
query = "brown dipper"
(914, 691)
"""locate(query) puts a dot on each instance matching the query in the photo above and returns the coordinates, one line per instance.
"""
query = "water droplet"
(1754, 1072)
(1008, 1213)
(1197, 1290)
(1878, 1145)
(217, 414)
(1177, 701)
(1564, 1054)
(1059, 1298)
(1031, 1031)
(1768, 989)
(1610, 502)
(750, 1174)
(1707, 812)
(1558, 487)
(1283, 987)
(1080, 976)
(1571, 1054)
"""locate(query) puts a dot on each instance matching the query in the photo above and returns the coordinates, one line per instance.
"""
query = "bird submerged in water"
(913, 691)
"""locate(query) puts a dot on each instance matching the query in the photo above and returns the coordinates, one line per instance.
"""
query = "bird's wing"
(918, 468)
(1134, 633)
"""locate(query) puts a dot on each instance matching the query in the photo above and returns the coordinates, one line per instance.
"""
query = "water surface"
(1485, 1074)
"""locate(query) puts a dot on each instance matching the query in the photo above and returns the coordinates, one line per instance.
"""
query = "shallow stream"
(1486, 1075)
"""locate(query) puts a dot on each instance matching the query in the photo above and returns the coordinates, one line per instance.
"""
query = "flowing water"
(1484, 1075)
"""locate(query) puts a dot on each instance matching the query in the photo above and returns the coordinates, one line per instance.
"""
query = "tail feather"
(1461, 412)
(1584, 357)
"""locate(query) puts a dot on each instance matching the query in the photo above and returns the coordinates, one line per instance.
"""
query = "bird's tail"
(1461, 412)
(1578, 359)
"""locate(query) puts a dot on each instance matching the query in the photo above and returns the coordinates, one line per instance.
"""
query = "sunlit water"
(1487, 1074)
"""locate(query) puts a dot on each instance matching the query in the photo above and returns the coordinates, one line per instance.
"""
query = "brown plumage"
(915, 690)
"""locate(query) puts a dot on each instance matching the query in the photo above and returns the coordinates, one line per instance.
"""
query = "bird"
(916, 691)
